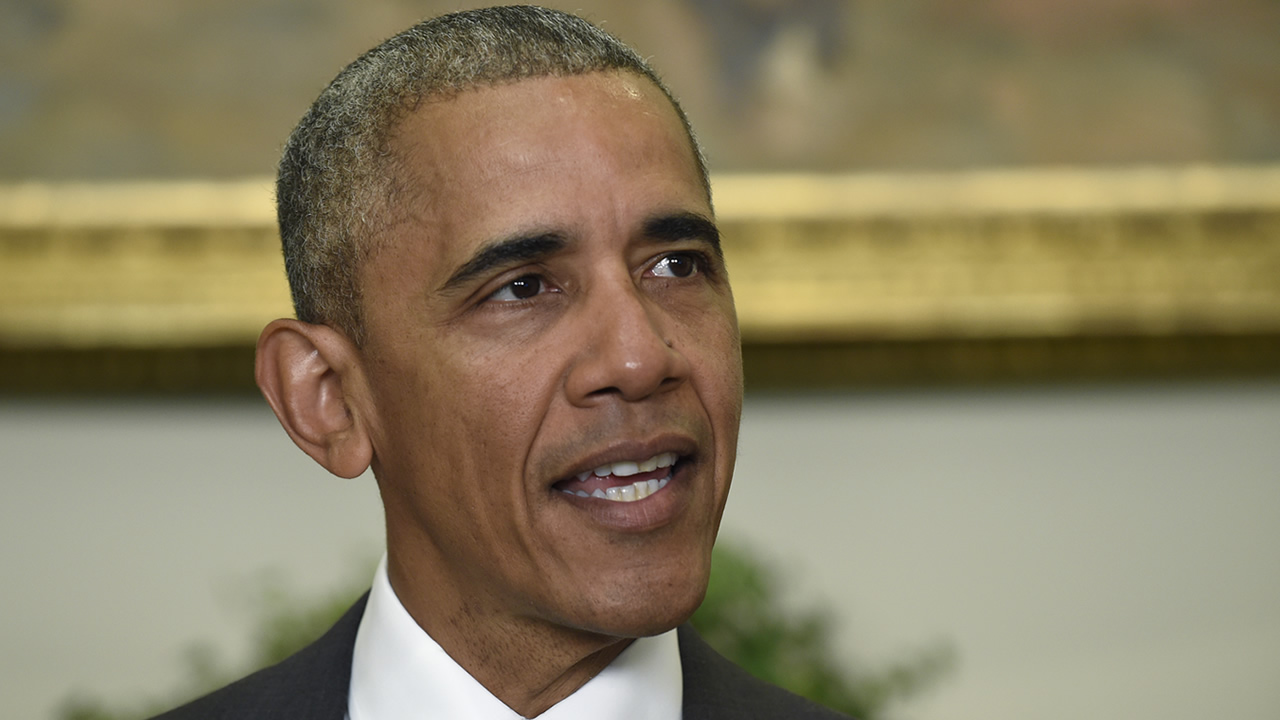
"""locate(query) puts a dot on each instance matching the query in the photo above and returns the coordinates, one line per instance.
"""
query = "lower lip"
(650, 513)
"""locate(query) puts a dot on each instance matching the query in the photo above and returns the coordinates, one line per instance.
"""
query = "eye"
(676, 265)
(522, 288)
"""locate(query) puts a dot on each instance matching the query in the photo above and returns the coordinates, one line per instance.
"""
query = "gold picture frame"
(841, 280)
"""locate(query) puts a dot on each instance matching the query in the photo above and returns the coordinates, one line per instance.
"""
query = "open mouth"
(623, 481)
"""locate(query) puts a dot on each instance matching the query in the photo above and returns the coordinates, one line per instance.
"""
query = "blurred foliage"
(742, 617)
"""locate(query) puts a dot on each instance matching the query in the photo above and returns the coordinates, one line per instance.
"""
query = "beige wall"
(1102, 552)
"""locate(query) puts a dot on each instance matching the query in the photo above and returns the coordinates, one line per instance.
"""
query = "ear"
(309, 374)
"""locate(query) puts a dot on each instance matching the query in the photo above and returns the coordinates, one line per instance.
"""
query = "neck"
(528, 664)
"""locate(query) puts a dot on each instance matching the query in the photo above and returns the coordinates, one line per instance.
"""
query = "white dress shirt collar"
(399, 673)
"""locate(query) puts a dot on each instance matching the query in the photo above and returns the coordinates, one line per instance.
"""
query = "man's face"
(553, 303)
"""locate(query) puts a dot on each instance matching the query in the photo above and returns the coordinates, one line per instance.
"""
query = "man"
(512, 306)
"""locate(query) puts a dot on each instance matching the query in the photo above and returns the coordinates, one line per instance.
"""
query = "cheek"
(718, 368)
(459, 437)
(711, 332)
(496, 400)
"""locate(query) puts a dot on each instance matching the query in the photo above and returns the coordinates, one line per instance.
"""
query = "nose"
(626, 351)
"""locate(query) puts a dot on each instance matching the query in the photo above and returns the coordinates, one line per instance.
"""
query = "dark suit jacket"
(312, 685)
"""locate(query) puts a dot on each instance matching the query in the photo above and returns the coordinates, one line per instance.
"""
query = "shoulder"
(313, 683)
(716, 688)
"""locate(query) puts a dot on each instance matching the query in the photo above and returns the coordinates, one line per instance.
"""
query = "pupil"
(525, 287)
(680, 265)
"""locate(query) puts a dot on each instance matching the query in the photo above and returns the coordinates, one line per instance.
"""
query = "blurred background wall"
(1089, 516)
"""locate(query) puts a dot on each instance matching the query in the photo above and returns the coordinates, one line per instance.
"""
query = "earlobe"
(308, 374)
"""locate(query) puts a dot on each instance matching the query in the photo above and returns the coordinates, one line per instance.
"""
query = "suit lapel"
(322, 672)
(708, 678)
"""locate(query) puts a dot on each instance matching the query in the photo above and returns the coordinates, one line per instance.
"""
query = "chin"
(647, 607)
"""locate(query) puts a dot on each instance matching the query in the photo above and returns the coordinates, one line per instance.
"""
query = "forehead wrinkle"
(432, 164)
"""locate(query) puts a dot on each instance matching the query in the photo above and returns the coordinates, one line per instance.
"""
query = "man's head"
(548, 380)
(339, 185)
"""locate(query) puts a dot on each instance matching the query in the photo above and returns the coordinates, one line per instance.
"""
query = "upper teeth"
(627, 468)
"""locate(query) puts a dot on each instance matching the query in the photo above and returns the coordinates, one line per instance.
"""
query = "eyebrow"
(525, 248)
(510, 251)
(684, 226)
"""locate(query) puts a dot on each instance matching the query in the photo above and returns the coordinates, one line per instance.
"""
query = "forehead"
(471, 122)
(494, 155)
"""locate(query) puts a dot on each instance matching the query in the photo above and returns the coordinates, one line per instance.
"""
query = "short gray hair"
(336, 184)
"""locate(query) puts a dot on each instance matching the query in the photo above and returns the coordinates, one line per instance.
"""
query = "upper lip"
(681, 445)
